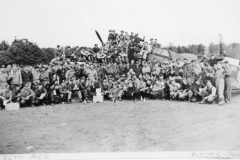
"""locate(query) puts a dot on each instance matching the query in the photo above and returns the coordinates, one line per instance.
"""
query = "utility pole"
(220, 44)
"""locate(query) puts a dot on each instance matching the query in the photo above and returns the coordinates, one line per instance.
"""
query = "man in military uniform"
(83, 87)
(110, 36)
(27, 76)
(212, 61)
(70, 74)
(65, 93)
(27, 95)
(44, 74)
(3, 78)
(61, 72)
(36, 74)
(208, 74)
(5, 96)
(138, 40)
(159, 88)
(40, 95)
(187, 73)
(106, 89)
(131, 50)
(220, 74)
(227, 81)
(208, 93)
(194, 91)
(137, 69)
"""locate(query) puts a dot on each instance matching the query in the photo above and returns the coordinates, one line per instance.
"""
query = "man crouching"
(208, 93)
(27, 96)
(40, 95)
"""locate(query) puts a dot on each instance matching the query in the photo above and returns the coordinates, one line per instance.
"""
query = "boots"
(203, 101)
(221, 102)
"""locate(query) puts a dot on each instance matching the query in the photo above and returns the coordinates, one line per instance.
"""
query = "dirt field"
(123, 126)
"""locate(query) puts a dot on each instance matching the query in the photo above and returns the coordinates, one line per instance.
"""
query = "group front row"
(131, 88)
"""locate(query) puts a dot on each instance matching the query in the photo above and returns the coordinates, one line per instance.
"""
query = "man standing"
(227, 81)
(3, 78)
(212, 61)
(27, 76)
(36, 75)
(16, 81)
(131, 50)
(110, 36)
(220, 74)
(61, 72)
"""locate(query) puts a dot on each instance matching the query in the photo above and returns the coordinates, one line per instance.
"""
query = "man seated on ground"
(50, 94)
(27, 95)
(174, 89)
(83, 87)
(74, 88)
(40, 95)
(158, 88)
(115, 93)
(208, 93)
(5, 96)
(16, 95)
(106, 86)
(65, 93)
(55, 93)
(131, 92)
(194, 93)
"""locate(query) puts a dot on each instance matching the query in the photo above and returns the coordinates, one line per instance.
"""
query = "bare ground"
(123, 126)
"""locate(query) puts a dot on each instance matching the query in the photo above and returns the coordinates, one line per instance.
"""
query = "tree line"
(24, 52)
(199, 49)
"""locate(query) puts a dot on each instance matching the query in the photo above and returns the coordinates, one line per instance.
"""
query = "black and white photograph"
(90, 77)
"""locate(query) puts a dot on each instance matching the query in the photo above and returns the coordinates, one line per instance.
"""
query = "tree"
(193, 49)
(24, 52)
(221, 50)
(201, 48)
(4, 58)
(179, 49)
(4, 46)
(213, 48)
(47, 55)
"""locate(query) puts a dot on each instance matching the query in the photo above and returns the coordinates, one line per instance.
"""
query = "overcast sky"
(72, 22)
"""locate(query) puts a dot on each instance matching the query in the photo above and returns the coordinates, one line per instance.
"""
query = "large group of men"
(121, 70)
